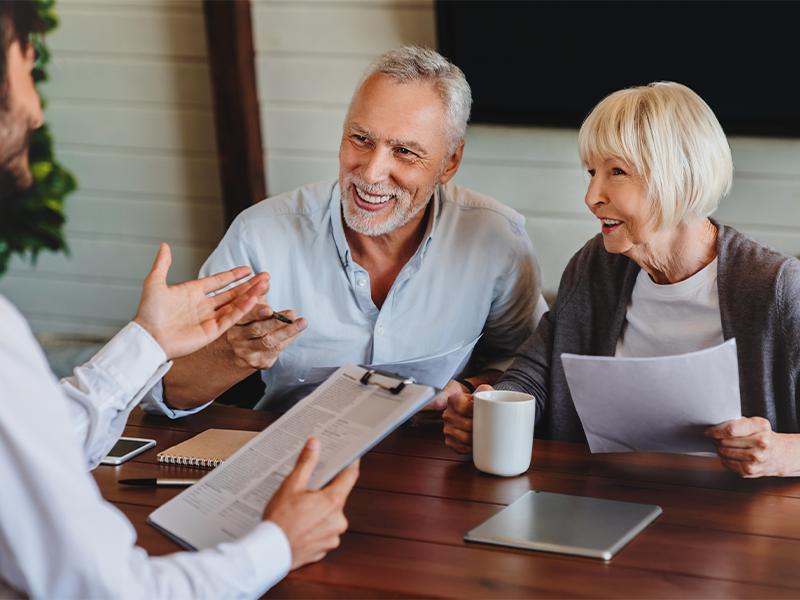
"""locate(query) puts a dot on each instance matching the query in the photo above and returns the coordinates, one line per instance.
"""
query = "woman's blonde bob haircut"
(672, 138)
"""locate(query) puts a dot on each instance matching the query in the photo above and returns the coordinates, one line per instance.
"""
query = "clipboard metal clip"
(404, 381)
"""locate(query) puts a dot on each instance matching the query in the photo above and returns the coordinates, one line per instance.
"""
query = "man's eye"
(404, 151)
(360, 138)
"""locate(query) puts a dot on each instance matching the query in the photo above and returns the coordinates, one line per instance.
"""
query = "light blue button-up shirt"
(475, 271)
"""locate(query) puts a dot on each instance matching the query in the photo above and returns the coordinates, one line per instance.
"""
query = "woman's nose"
(596, 193)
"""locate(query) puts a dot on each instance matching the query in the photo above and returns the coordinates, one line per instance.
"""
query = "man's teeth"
(610, 222)
(372, 199)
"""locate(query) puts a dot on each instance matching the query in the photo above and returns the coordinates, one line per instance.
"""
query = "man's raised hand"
(182, 318)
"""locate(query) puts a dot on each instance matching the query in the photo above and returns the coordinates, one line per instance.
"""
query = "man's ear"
(452, 164)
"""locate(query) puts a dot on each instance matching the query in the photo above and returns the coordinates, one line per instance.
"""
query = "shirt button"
(362, 282)
(379, 330)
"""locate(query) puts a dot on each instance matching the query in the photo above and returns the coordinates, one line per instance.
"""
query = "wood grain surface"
(719, 536)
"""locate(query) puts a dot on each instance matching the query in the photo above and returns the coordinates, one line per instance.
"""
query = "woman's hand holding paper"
(750, 448)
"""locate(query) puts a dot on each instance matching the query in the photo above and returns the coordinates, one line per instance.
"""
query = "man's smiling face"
(393, 154)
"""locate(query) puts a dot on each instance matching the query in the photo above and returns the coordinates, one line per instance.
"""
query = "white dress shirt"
(475, 271)
(58, 537)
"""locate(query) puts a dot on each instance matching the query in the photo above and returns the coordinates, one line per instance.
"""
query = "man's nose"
(38, 116)
(377, 167)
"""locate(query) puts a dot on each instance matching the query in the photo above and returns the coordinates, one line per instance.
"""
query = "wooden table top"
(719, 535)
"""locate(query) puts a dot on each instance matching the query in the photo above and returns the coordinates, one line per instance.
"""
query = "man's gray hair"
(414, 64)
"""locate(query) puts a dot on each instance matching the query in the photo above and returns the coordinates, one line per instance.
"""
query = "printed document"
(658, 404)
(433, 369)
(347, 416)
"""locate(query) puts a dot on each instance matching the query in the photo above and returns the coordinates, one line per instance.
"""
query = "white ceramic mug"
(502, 431)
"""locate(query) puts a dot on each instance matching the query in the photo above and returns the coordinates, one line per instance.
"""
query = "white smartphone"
(125, 449)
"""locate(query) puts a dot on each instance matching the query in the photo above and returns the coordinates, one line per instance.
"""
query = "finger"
(304, 466)
(751, 441)
(228, 315)
(746, 469)
(254, 286)
(740, 454)
(161, 264)
(461, 404)
(340, 487)
(268, 327)
(457, 421)
(457, 446)
(261, 312)
(459, 435)
(738, 428)
(281, 337)
(250, 292)
(215, 282)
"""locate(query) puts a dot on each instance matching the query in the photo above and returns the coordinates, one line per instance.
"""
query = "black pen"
(281, 318)
(158, 482)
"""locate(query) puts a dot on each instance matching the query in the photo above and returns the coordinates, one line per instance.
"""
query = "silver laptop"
(566, 524)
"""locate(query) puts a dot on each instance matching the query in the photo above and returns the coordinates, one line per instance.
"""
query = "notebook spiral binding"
(174, 459)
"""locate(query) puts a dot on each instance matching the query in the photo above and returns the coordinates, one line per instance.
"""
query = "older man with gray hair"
(387, 263)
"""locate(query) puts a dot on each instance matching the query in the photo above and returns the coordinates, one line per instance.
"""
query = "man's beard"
(16, 179)
(363, 221)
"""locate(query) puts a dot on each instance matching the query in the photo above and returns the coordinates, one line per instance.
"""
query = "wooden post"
(231, 60)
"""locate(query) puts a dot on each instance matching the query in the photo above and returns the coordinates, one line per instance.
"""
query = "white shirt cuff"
(153, 402)
(131, 358)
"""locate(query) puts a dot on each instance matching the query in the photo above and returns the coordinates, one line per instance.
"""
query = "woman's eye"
(591, 172)
(617, 171)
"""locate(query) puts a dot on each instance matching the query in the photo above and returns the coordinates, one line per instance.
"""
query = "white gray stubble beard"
(360, 220)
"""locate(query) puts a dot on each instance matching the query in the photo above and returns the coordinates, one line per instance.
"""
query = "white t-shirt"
(665, 320)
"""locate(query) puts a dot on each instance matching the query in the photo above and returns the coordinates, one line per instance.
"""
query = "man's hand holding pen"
(262, 334)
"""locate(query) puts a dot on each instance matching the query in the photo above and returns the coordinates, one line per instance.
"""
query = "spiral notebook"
(208, 449)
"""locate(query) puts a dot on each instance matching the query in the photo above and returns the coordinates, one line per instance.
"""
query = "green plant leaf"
(38, 223)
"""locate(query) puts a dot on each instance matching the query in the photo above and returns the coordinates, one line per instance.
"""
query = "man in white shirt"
(389, 262)
(58, 537)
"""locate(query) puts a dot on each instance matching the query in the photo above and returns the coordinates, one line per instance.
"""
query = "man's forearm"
(201, 377)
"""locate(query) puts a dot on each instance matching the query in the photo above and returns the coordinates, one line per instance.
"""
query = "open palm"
(182, 318)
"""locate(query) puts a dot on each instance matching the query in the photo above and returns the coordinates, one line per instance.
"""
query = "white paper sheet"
(654, 404)
(346, 416)
(434, 370)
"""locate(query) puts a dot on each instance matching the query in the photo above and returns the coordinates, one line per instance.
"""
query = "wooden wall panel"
(149, 217)
(129, 105)
(175, 128)
(310, 55)
(129, 79)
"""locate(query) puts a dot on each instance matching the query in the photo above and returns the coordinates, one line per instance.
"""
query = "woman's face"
(617, 195)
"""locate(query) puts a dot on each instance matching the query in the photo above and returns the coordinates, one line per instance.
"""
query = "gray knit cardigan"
(759, 301)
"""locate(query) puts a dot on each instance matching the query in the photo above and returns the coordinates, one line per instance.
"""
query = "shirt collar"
(337, 227)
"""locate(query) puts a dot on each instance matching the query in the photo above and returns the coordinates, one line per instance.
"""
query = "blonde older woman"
(662, 278)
